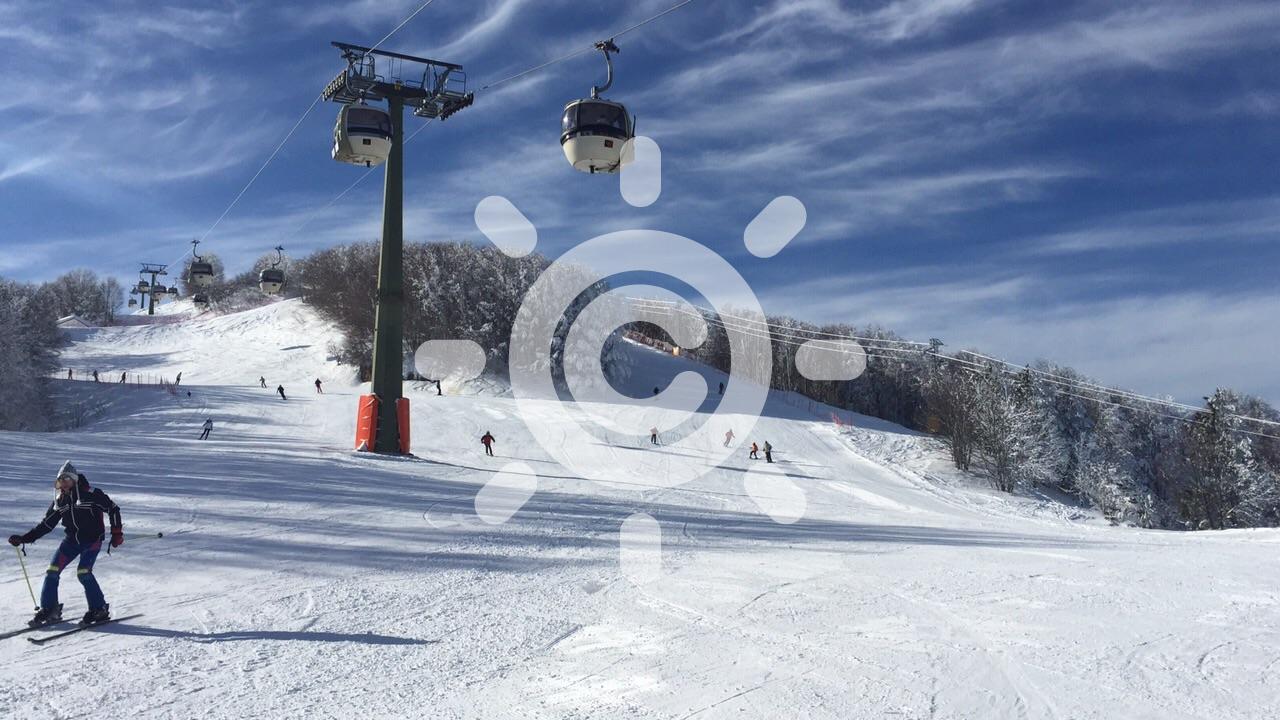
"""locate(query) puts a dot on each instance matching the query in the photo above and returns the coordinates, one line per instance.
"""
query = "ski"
(73, 631)
(29, 628)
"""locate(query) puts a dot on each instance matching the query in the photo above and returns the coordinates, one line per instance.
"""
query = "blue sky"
(1091, 182)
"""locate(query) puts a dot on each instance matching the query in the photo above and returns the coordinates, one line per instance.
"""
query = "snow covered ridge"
(893, 595)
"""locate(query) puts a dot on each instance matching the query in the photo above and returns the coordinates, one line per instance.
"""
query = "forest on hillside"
(1042, 427)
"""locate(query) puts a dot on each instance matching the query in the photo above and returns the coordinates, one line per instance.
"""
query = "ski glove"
(15, 540)
(117, 536)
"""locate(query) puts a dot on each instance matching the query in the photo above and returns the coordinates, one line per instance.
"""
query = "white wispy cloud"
(1253, 220)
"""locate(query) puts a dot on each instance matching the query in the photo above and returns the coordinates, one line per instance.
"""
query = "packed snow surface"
(298, 579)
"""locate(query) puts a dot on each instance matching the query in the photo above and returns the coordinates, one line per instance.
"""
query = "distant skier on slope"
(208, 428)
(80, 508)
(653, 435)
(262, 380)
(280, 389)
(69, 374)
(178, 381)
(318, 390)
(95, 376)
(768, 452)
(487, 440)
(123, 373)
(728, 437)
(754, 450)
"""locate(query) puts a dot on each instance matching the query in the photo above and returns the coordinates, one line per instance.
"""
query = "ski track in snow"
(297, 579)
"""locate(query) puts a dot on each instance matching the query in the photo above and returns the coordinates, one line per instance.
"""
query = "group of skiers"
(262, 382)
(79, 507)
(124, 377)
(755, 449)
(487, 440)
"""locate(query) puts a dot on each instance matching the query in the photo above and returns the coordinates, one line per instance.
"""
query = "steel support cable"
(1133, 395)
(1049, 377)
(1056, 390)
(584, 50)
(754, 324)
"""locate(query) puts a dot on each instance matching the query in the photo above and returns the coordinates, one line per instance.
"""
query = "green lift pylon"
(439, 92)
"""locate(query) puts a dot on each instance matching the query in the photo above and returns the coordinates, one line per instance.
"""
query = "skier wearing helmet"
(80, 509)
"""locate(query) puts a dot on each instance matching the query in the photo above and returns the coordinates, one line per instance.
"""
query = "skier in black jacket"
(80, 509)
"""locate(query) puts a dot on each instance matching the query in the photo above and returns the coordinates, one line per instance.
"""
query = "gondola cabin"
(362, 135)
(271, 281)
(593, 132)
(201, 274)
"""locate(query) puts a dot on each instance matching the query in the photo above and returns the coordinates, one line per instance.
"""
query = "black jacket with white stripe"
(81, 513)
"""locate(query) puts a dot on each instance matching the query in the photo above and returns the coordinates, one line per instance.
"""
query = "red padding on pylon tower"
(367, 422)
(402, 419)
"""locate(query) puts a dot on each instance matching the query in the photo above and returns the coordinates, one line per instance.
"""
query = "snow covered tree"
(951, 395)
(28, 355)
(81, 292)
(1223, 485)
(1012, 439)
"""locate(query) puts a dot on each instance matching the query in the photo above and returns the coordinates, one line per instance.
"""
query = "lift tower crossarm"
(440, 92)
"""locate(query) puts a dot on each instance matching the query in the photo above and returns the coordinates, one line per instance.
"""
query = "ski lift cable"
(584, 50)
(1049, 377)
(1085, 383)
(270, 157)
(762, 324)
(818, 334)
(1136, 396)
(1054, 380)
(397, 28)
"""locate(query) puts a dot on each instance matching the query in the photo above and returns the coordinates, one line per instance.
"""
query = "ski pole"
(137, 538)
(23, 563)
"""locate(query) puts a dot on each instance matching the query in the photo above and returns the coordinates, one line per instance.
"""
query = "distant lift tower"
(434, 90)
(151, 291)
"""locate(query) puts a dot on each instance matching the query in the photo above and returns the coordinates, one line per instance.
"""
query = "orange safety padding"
(367, 422)
(402, 418)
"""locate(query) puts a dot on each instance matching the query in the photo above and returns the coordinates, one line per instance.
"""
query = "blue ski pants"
(67, 551)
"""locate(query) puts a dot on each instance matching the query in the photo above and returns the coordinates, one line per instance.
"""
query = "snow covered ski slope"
(298, 579)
